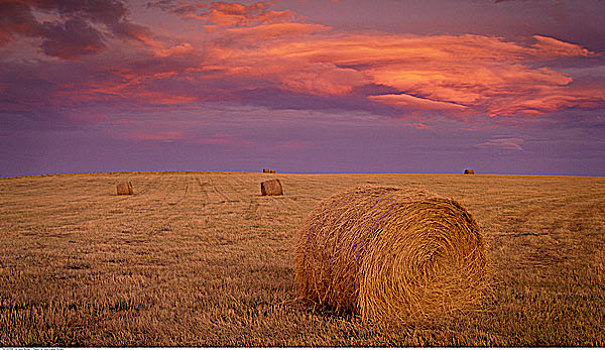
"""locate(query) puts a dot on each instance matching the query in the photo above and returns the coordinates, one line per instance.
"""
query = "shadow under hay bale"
(266, 171)
(469, 172)
(271, 188)
(125, 189)
(391, 254)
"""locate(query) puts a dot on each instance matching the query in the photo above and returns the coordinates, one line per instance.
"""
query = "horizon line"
(110, 172)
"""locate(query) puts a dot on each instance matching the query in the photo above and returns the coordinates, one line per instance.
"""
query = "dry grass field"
(201, 259)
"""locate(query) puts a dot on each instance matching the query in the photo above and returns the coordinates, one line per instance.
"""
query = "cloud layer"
(70, 28)
(246, 48)
(129, 69)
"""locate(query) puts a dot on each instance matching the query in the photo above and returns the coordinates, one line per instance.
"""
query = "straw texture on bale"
(265, 170)
(391, 253)
(271, 188)
(125, 188)
(272, 171)
(469, 172)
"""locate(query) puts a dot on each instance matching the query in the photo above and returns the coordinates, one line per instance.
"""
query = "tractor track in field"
(251, 211)
(181, 198)
(216, 190)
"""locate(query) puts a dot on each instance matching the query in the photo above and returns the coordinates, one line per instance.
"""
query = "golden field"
(201, 259)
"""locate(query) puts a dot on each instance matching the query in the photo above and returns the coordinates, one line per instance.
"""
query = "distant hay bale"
(469, 172)
(271, 188)
(391, 253)
(265, 170)
(125, 188)
(272, 171)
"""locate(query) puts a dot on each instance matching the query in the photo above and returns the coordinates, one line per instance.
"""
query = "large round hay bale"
(469, 172)
(388, 252)
(266, 170)
(125, 188)
(271, 188)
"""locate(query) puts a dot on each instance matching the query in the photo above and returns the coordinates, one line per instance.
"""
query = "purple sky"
(315, 86)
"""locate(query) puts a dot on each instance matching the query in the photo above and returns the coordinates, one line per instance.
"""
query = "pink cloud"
(513, 144)
(291, 144)
(419, 126)
(224, 139)
(154, 136)
(88, 117)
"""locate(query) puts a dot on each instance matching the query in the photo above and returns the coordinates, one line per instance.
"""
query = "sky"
(302, 86)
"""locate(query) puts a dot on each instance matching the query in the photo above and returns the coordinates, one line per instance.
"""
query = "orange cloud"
(479, 73)
(251, 47)
(228, 14)
(235, 14)
(174, 50)
(408, 101)
(272, 31)
(559, 48)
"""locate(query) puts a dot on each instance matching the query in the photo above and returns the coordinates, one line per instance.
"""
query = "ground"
(201, 259)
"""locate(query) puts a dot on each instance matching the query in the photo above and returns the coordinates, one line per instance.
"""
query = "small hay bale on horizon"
(265, 170)
(391, 254)
(271, 188)
(272, 171)
(469, 172)
(125, 189)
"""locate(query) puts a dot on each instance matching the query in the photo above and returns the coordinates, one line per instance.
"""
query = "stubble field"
(201, 259)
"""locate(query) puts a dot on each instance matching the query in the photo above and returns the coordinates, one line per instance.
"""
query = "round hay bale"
(271, 188)
(469, 172)
(387, 252)
(266, 171)
(125, 188)
(272, 171)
